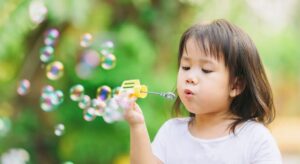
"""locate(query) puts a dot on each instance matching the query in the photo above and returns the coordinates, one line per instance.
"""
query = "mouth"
(188, 92)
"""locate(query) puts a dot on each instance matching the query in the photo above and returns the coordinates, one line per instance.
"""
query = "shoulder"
(263, 145)
(256, 130)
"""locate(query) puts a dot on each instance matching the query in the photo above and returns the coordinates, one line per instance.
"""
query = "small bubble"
(86, 40)
(99, 106)
(107, 47)
(108, 61)
(59, 129)
(76, 92)
(23, 87)
(55, 70)
(116, 91)
(60, 97)
(46, 54)
(51, 37)
(103, 93)
(89, 114)
(85, 102)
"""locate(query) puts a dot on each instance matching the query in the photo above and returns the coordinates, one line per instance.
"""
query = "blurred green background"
(146, 34)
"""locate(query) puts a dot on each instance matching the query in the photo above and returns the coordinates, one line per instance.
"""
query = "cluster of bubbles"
(108, 103)
(14, 156)
(54, 69)
(93, 56)
(50, 99)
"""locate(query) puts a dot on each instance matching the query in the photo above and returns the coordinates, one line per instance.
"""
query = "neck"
(211, 119)
(211, 125)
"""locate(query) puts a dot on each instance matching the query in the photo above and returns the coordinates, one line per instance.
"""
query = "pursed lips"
(188, 92)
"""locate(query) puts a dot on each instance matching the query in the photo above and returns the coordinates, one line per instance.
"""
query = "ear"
(237, 87)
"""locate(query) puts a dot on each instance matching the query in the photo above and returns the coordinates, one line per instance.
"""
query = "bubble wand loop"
(141, 91)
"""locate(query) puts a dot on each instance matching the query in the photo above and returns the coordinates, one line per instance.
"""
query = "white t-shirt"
(251, 144)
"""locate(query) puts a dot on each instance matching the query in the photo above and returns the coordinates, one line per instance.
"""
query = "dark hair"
(225, 40)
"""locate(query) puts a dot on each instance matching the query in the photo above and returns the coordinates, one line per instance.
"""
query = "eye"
(185, 68)
(206, 71)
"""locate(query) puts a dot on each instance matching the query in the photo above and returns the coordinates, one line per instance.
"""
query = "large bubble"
(55, 70)
(103, 93)
(108, 61)
(23, 87)
(15, 156)
(91, 58)
(37, 11)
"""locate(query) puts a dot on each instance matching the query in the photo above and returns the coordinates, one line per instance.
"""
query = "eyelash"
(204, 70)
(185, 68)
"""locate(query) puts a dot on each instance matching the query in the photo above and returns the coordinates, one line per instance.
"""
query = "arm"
(140, 146)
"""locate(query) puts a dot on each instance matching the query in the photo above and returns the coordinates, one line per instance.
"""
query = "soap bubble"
(86, 40)
(37, 11)
(51, 37)
(83, 70)
(59, 129)
(47, 89)
(55, 70)
(108, 61)
(85, 102)
(15, 156)
(89, 114)
(91, 58)
(107, 47)
(5, 125)
(76, 92)
(103, 92)
(99, 106)
(23, 87)
(116, 91)
(46, 54)
(60, 97)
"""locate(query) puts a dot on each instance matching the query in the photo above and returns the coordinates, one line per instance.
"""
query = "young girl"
(222, 84)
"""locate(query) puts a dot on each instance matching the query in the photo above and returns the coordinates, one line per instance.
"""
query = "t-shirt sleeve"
(265, 149)
(160, 140)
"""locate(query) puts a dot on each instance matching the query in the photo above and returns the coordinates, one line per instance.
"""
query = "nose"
(191, 80)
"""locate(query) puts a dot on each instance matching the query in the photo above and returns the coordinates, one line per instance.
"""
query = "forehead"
(201, 51)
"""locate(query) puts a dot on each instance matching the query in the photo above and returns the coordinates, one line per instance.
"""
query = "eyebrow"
(201, 59)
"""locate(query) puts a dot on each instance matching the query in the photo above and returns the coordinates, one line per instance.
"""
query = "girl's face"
(202, 82)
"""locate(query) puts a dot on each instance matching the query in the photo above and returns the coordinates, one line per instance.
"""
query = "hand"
(134, 116)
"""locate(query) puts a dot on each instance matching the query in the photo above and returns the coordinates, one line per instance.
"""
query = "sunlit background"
(55, 52)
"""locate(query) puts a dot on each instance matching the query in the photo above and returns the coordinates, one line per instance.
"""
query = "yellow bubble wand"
(141, 91)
